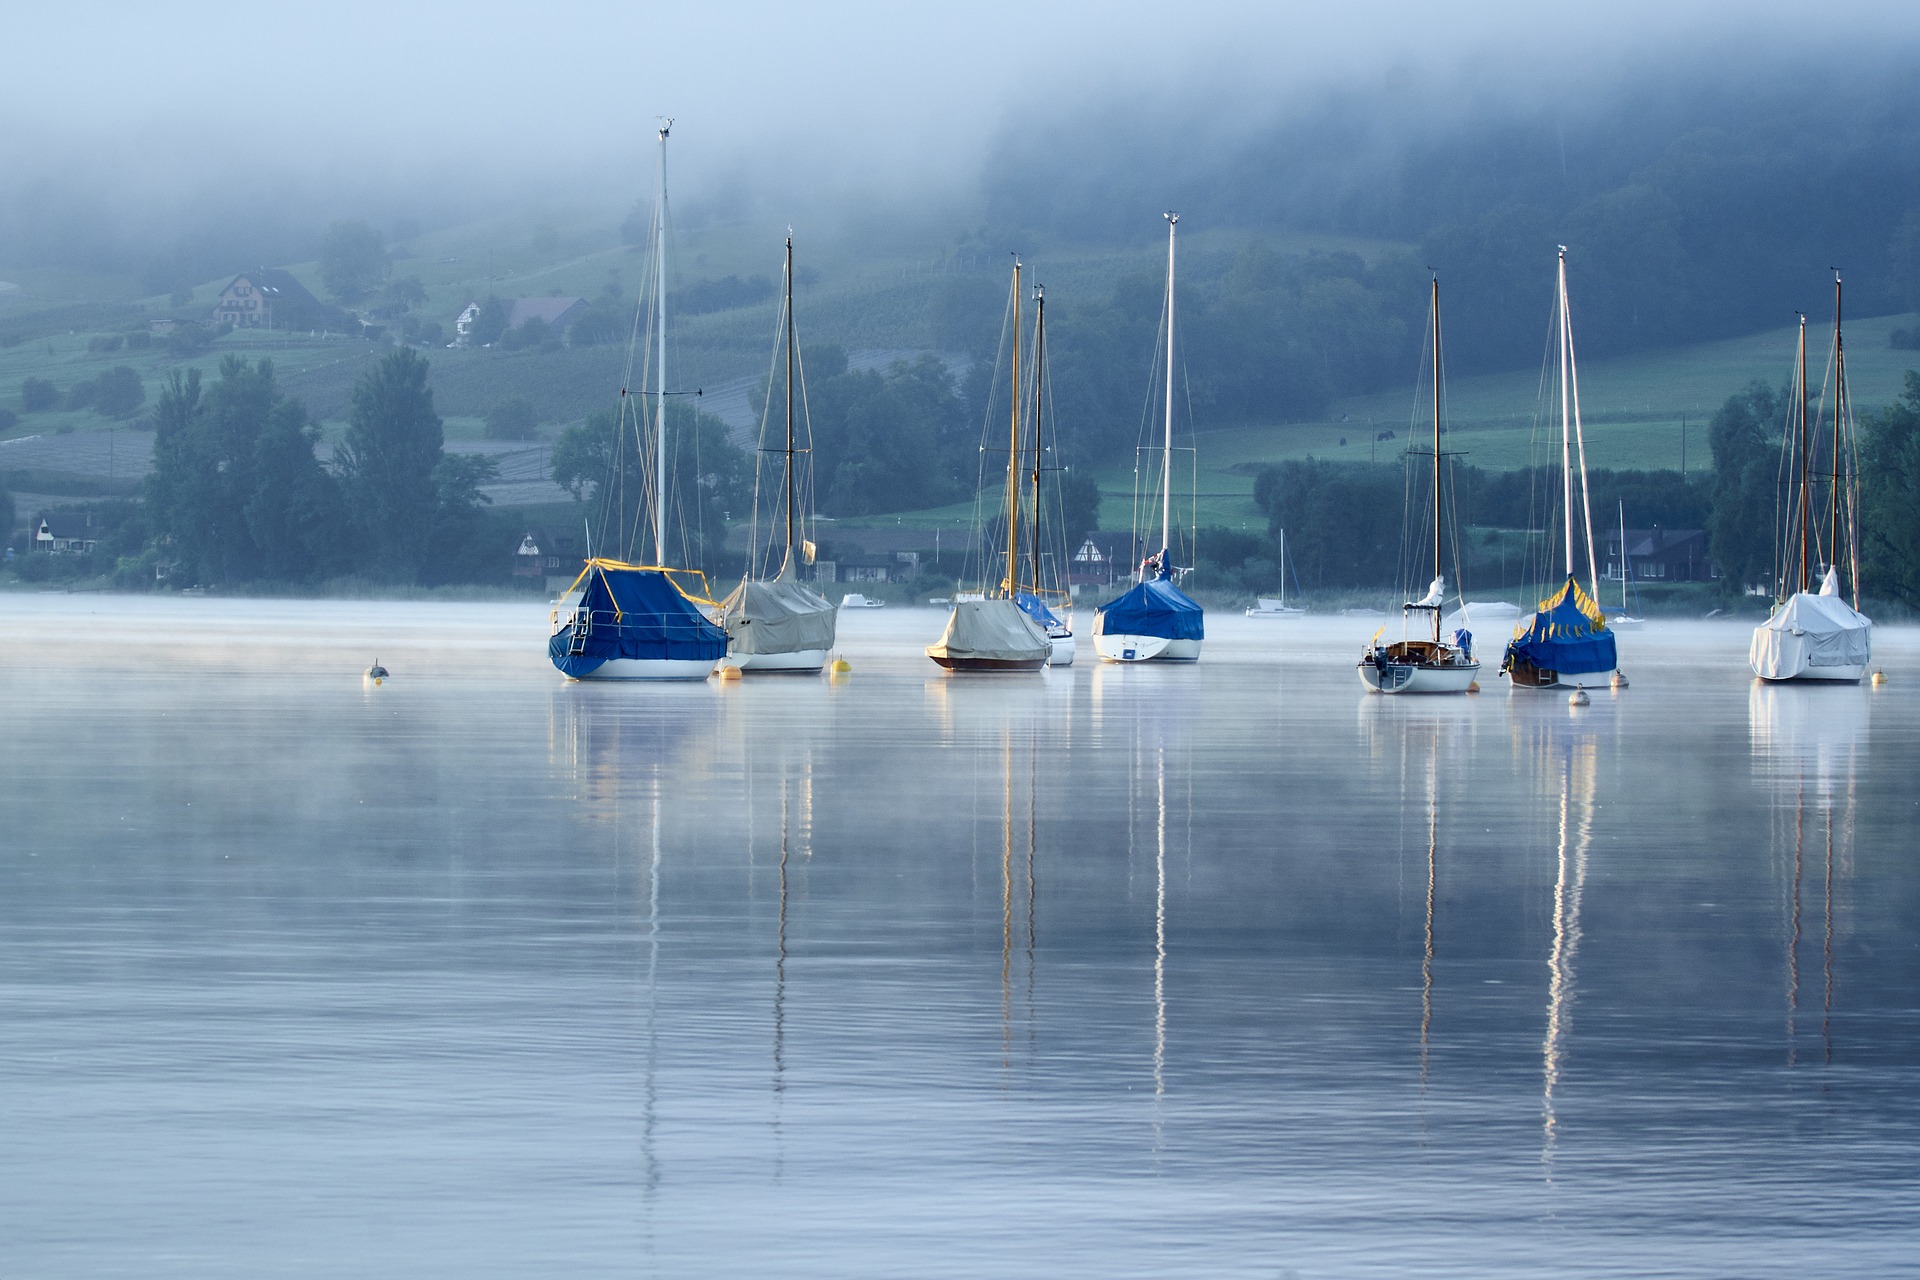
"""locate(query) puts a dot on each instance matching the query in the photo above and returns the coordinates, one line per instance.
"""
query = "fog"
(136, 119)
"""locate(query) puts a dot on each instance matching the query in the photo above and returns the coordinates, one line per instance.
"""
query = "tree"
(1745, 437)
(602, 464)
(118, 392)
(489, 323)
(512, 419)
(1890, 497)
(353, 261)
(8, 420)
(459, 545)
(386, 463)
(533, 332)
(890, 442)
(37, 394)
(80, 394)
(404, 294)
(1079, 507)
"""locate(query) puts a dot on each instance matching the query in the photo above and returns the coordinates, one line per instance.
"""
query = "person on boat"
(1463, 641)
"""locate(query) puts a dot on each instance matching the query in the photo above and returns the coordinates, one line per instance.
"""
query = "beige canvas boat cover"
(782, 615)
(992, 630)
(1810, 631)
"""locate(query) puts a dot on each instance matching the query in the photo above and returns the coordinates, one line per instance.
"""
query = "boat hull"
(1128, 648)
(799, 662)
(1062, 646)
(1850, 674)
(989, 666)
(650, 669)
(1525, 675)
(1276, 614)
(1402, 677)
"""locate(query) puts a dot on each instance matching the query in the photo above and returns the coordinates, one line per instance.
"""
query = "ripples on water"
(1228, 970)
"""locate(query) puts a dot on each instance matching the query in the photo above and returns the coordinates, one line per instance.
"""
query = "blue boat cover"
(1568, 634)
(634, 613)
(1036, 608)
(1153, 608)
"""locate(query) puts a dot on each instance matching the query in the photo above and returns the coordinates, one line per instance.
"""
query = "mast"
(1166, 460)
(660, 366)
(1623, 555)
(1033, 483)
(1566, 409)
(1839, 397)
(788, 561)
(1436, 447)
(1013, 450)
(1806, 473)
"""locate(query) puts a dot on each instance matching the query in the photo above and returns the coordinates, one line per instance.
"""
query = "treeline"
(238, 494)
(1699, 198)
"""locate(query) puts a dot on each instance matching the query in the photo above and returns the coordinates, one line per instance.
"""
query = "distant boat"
(854, 600)
(1566, 643)
(1814, 634)
(1624, 621)
(992, 631)
(1155, 620)
(1276, 607)
(1427, 664)
(623, 621)
(780, 623)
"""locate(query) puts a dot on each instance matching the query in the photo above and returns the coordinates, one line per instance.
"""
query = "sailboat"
(1813, 633)
(1155, 620)
(1566, 643)
(1429, 664)
(1275, 607)
(1041, 592)
(624, 621)
(992, 632)
(1624, 621)
(780, 623)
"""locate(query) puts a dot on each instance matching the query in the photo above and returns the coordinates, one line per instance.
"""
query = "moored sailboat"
(1813, 632)
(1566, 642)
(626, 621)
(992, 631)
(780, 623)
(1427, 664)
(1155, 620)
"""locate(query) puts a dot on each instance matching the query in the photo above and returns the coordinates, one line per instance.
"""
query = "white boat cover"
(1810, 631)
(991, 630)
(780, 615)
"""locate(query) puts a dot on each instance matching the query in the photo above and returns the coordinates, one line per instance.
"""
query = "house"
(268, 298)
(559, 313)
(1660, 555)
(555, 557)
(869, 566)
(65, 532)
(1100, 560)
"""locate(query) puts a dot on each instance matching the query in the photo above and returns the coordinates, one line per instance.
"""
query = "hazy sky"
(864, 93)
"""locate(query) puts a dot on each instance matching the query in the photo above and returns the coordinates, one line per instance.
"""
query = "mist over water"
(1229, 970)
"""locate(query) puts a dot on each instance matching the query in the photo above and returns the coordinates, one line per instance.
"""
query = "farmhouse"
(63, 532)
(1660, 555)
(267, 298)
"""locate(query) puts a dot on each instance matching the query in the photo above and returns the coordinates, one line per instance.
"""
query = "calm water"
(1227, 971)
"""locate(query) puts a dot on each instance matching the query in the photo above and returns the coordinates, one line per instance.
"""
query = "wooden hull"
(1525, 675)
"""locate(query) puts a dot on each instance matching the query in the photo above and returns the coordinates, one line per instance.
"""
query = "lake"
(1225, 970)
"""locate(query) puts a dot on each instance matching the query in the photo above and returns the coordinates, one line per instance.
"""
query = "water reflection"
(1808, 746)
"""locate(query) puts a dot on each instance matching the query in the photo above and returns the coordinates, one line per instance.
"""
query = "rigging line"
(754, 560)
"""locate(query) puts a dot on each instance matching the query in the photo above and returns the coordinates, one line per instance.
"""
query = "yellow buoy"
(1619, 681)
(1474, 687)
(841, 666)
(728, 673)
(1879, 677)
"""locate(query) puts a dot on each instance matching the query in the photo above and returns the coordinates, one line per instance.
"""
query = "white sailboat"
(1624, 621)
(780, 623)
(1427, 664)
(1813, 633)
(1566, 642)
(1155, 620)
(1276, 608)
(625, 621)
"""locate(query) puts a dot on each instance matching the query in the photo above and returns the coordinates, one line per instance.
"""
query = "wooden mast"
(1013, 450)
(1033, 487)
(1436, 448)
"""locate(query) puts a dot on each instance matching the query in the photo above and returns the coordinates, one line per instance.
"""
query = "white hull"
(1125, 648)
(801, 661)
(1406, 678)
(651, 669)
(1276, 613)
(1063, 647)
(1851, 674)
(1573, 680)
(1621, 622)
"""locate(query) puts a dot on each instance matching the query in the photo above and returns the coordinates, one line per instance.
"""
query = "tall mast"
(1839, 405)
(1166, 459)
(1806, 472)
(1436, 447)
(1624, 561)
(1566, 409)
(660, 363)
(788, 561)
(1033, 485)
(1013, 451)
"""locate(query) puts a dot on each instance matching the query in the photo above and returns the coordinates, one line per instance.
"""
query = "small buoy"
(841, 666)
(376, 672)
(1578, 698)
(1474, 687)
(1619, 681)
(1879, 677)
(728, 673)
